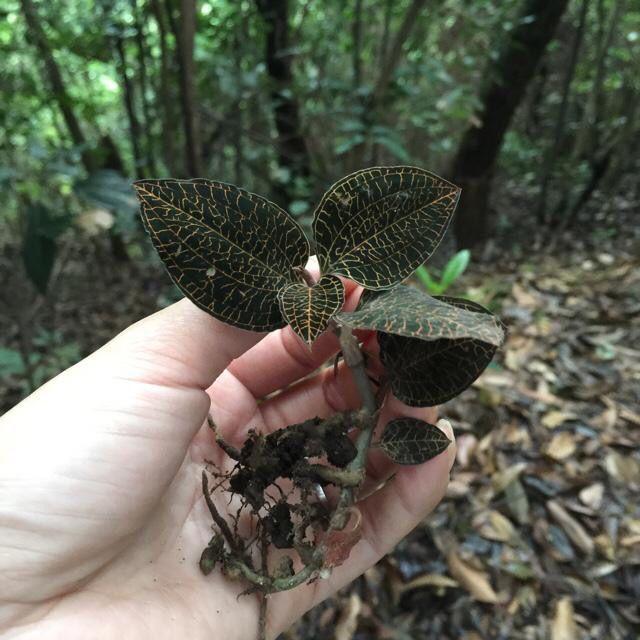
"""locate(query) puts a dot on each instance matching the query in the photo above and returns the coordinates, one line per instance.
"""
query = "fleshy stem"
(354, 359)
(308, 278)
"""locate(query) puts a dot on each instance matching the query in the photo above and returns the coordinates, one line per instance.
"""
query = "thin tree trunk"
(141, 47)
(292, 150)
(166, 104)
(129, 102)
(106, 156)
(185, 40)
(473, 165)
(54, 77)
(392, 60)
(587, 142)
(388, 66)
(628, 138)
(240, 33)
(356, 31)
(554, 149)
(386, 30)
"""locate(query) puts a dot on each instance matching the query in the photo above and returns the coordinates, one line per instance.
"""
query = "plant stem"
(354, 359)
(262, 618)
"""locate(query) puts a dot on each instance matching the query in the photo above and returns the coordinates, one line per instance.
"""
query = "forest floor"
(539, 535)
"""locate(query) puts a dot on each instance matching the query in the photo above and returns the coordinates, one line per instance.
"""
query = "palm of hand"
(101, 512)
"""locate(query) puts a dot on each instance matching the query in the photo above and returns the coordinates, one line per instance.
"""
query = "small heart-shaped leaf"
(408, 312)
(309, 309)
(378, 225)
(424, 373)
(412, 441)
(228, 250)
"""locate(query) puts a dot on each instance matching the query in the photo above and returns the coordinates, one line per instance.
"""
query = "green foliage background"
(283, 97)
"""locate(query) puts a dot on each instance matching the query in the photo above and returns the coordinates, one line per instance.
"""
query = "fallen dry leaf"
(574, 530)
(607, 419)
(493, 525)
(435, 581)
(561, 446)
(524, 298)
(554, 419)
(348, 621)
(502, 479)
(474, 581)
(605, 546)
(592, 495)
(465, 446)
(564, 625)
(622, 469)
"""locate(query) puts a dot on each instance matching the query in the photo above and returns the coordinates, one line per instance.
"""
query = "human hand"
(102, 518)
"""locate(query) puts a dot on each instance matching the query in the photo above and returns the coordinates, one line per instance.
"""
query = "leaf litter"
(539, 535)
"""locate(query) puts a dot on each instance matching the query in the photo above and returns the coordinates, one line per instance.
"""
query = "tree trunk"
(54, 77)
(103, 156)
(163, 90)
(388, 65)
(356, 31)
(185, 33)
(391, 61)
(588, 140)
(554, 149)
(141, 46)
(240, 35)
(129, 102)
(386, 30)
(473, 165)
(292, 150)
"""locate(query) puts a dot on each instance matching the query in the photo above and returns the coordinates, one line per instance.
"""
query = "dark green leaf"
(378, 225)
(424, 373)
(412, 441)
(39, 247)
(11, 362)
(309, 309)
(406, 311)
(229, 251)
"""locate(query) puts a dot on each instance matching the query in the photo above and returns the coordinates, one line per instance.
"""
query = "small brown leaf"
(502, 479)
(339, 542)
(592, 495)
(622, 469)
(554, 419)
(574, 530)
(348, 621)
(474, 581)
(523, 297)
(564, 626)
(435, 581)
(493, 525)
(562, 446)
